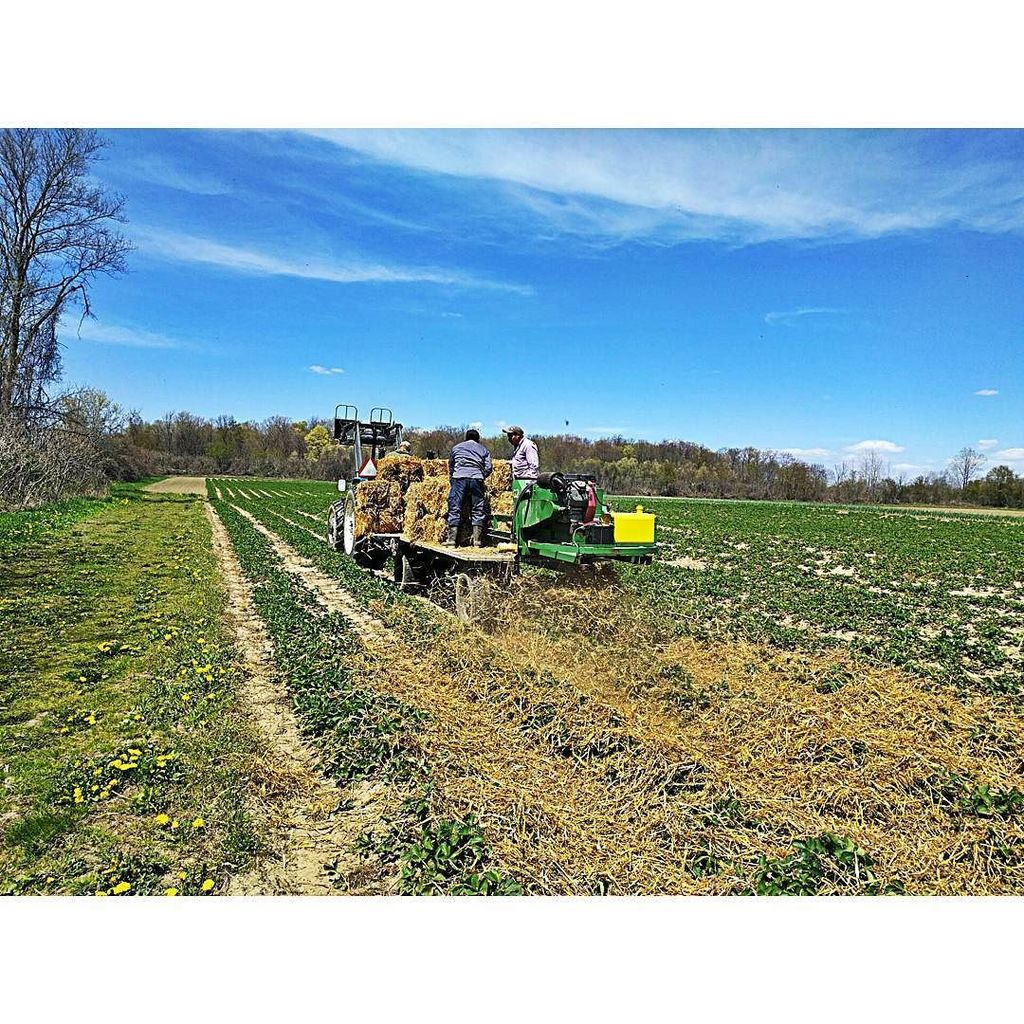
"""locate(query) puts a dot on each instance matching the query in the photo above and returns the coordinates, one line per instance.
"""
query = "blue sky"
(817, 291)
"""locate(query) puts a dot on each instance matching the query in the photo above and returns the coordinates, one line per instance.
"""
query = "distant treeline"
(182, 442)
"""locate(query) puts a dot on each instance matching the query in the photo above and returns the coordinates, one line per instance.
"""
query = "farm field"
(804, 699)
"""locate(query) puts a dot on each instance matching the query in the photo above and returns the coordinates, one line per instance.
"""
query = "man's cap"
(514, 430)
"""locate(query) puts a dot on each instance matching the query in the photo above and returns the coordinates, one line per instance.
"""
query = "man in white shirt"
(525, 460)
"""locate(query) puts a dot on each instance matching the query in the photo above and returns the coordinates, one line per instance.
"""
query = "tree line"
(182, 442)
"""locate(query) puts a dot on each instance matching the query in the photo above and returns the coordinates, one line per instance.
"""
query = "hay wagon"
(558, 521)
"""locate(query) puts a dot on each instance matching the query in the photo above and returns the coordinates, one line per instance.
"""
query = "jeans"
(457, 495)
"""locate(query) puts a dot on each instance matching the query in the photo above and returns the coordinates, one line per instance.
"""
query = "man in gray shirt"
(468, 466)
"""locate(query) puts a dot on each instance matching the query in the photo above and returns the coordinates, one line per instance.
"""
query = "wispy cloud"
(1008, 455)
(326, 371)
(157, 170)
(987, 392)
(119, 334)
(807, 453)
(861, 447)
(736, 186)
(987, 442)
(788, 317)
(182, 248)
(906, 467)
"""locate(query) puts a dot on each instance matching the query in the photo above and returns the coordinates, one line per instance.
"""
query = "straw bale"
(435, 467)
(502, 503)
(426, 508)
(402, 469)
(501, 477)
(426, 501)
(380, 507)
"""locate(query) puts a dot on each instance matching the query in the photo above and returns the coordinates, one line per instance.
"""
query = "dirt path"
(179, 485)
(304, 806)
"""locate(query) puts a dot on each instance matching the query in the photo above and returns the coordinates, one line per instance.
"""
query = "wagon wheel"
(474, 598)
(409, 576)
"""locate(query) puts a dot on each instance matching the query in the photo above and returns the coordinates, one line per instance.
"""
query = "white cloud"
(874, 446)
(477, 424)
(987, 392)
(1008, 455)
(807, 453)
(326, 370)
(986, 443)
(906, 467)
(183, 248)
(738, 186)
(118, 334)
(788, 317)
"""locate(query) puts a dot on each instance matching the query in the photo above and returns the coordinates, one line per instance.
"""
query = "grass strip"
(126, 756)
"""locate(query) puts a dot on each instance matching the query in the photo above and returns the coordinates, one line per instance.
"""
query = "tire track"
(303, 806)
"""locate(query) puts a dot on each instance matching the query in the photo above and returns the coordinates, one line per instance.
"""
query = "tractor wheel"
(335, 525)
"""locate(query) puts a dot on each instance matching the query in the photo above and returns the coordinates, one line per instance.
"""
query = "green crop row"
(359, 732)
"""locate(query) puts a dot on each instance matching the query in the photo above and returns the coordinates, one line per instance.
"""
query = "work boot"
(478, 536)
(452, 540)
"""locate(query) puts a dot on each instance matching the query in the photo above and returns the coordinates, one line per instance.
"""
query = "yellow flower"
(171, 892)
(182, 875)
(162, 819)
(198, 823)
(207, 885)
(175, 823)
(121, 887)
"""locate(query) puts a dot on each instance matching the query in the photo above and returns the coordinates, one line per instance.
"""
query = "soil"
(314, 822)
(179, 485)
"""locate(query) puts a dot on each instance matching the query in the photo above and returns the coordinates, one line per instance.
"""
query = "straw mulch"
(600, 755)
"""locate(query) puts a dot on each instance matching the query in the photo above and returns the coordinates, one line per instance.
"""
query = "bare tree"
(872, 468)
(57, 232)
(963, 467)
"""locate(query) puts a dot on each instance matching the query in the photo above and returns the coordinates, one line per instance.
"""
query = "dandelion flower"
(171, 892)
(207, 885)
(121, 887)
(175, 823)
(198, 823)
(163, 819)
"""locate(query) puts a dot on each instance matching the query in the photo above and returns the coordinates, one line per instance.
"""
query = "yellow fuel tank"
(634, 527)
